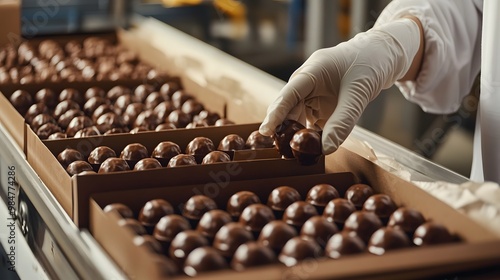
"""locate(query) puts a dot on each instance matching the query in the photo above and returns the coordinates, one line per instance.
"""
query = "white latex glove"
(333, 87)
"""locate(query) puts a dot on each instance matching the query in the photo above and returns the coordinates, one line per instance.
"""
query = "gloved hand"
(333, 87)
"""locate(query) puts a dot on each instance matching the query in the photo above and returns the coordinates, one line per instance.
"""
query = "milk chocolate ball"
(147, 119)
(123, 210)
(338, 210)
(47, 129)
(71, 94)
(431, 233)
(406, 219)
(78, 123)
(298, 213)
(206, 116)
(57, 135)
(319, 229)
(99, 154)
(47, 97)
(252, 254)
(306, 146)
(211, 222)
(87, 131)
(92, 103)
(192, 107)
(153, 211)
(169, 88)
(231, 142)
(116, 92)
(230, 237)
(40, 120)
(214, 157)
(94, 92)
(64, 106)
(179, 118)
(204, 259)
(67, 117)
(298, 249)
(153, 100)
(122, 102)
(68, 156)
(363, 223)
(184, 243)
(134, 152)
(258, 141)
(196, 124)
(255, 216)
(386, 239)
(358, 194)
(133, 225)
(223, 122)
(179, 97)
(281, 197)
(21, 100)
(284, 134)
(147, 163)
(139, 129)
(181, 160)
(164, 109)
(113, 165)
(77, 167)
(196, 206)
(168, 227)
(164, 151)
(320, 195)
(142, 91)
(342, 244)
(239, 201)
(200, 147)
(165, 126)
(275, 234)
(380, 204)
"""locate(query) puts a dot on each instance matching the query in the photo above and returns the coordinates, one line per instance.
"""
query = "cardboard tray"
(479, 247)
(73, 193)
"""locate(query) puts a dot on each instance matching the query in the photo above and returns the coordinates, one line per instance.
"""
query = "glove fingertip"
(265, 130)
(329, 144)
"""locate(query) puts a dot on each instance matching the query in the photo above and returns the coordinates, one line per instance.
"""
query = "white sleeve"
(452, 32)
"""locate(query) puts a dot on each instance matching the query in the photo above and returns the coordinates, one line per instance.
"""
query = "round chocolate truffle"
(319, 229)
(196, 124)
(342, 244)
(87, 131)
(338, 210)
(232, 142)
(67, 117)
(123, 210)
(71, 94)
(281, 197)
(380, 204)
(47, 97)
(142, 91)
(153, 211)
(164, 109)
(431, 233)
(47, 129)
(148, 242)
(298, 213)
(147, 119)
(153, 100)
(255, 216)
(192, 107)
(122, 102)
(101, 110)
(178, 118)
(91, 105)
(284, 134)
(358, 194)
(386, 239)
(258, 141)
(239, 201)
(275, 234)
(57, 135)
(203, 259)
(230, 237)
(223, 122)
(320, 195)
(78, 123)
(21, 100)
(181, 160)
(77, 167)
(147, 163)
(116, 92)
(252, 254)
(139, 129)
(164, 151)
(184, 243)
(94, 92)
(211, 222)
(40, 120)
(196, 206)
(68, 156)
(215, 156)
(113, 165)
(298, 249)
(363, 223)
(100, 154)
(169, 88)
(200, 147)
(165, 126)
(131, 112)
(206, 116)
(406, 219)
(64, 106)
(168, 227)
(179, 97)
(35, 110)
(306, 146)
(133, 225)
(134, 152)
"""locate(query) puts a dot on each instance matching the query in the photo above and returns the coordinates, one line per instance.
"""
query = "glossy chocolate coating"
(214, 157)
(133, 225)
(40, 120)
(71, 94)
(154, 210)
(320, 195)
(192, 107)
(64, 106)
(431, 233)
(113, 165)
(200, 146)
(258, 141)
(94, 92)
(342, 244)
(306, 146)
(148, 242)
(168, 227)
(197, 205)
(47, 129)
(87, 131)
(184, 243)
(164, 109)
(147, 163)
(57, 135)
(147, 119)
(153, 100)
(406, 219)
(209, 117)
(230, 237)
(358, 194)
(77, 167)
(165, 151)
(134, 152)
(204, 259)
(179, 118)
(239, 201)
(223, 122)
(363, 223)
(179, 97)
(115, 130)
(252, 254)
(231, 142)
(181, 160)
(34, 110)
(78, 123)
(122, 102)
(116, 92)
(212, 221)
(169, 88)
(386, 239)
(275, 234)
(165, 126)
(131, 112)
(281, 197)
(298, 249)
(319, 229)
(298, 213)
(139, 129)
(91, 105)
(47, 97)
(100, 154)
(68, 155)
(338, 210)
(380, 204)
(122, 209)
(142, 91)
(196, 124)
(284, 134)
(21, 100)
(67, 117)
(255, 216)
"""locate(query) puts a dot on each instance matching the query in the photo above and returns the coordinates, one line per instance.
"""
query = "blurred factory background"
(276, 36)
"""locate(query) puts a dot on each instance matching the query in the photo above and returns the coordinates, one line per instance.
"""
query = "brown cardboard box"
(73, 194)
(479, 247)
(10, 21)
